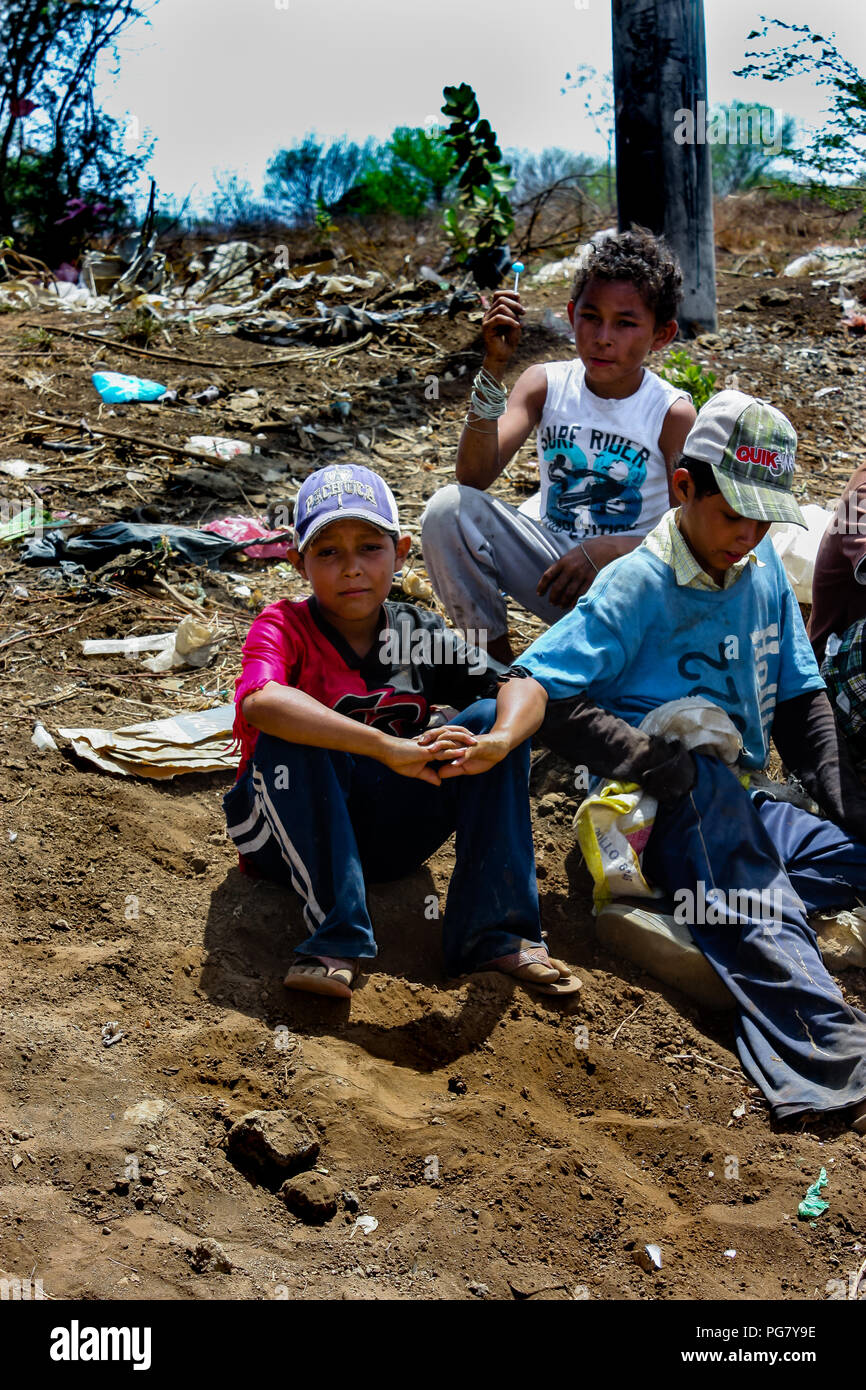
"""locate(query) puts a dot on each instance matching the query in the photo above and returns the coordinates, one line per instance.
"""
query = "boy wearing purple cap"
(339, 782)
(704, 608)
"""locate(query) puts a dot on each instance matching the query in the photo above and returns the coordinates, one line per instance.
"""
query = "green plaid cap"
(751, 447)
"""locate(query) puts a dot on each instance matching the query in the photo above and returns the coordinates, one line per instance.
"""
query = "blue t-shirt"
(639, 639)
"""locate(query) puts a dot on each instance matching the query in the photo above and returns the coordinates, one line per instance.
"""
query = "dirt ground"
(509, 1147)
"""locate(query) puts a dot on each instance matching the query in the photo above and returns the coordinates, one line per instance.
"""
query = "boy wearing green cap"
(703, 608)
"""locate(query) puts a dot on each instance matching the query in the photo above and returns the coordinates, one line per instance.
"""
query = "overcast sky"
(222, 84)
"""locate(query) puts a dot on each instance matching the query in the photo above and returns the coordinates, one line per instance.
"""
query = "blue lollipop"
(517, 267)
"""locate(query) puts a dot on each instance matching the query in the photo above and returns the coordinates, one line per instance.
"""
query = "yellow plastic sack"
(613, 827)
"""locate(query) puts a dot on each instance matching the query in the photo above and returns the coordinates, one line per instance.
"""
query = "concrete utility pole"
(663, 171)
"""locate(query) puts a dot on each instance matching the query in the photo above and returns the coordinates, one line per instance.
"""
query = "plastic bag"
(245, 528)
(115, 388)
(614, 823)
(612, 829)
(798, 549)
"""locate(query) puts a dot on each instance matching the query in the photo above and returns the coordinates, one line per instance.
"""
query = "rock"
(272, 1144)
(479, 1290)
(146, 1112)
(208, 1257)
(372, 1182)
(312, 1197)
(551, 802)
(773, 296)
(746, 306)
(457, 1086)
(351, 1201)
(198, 864)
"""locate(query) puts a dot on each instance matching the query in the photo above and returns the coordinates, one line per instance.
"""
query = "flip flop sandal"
(332, 976)
(568, 982)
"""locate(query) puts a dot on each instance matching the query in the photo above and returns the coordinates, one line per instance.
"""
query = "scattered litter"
(19, 591)
(825, 391)
(126, 646)
(813, 1204)
(21, 468)
(366, 1224)
(842, 939)
(13, 836)
(216, 446)
(104, 543)
(111, 1033)
(740, 1112)
(117, 388)
(161, 748)
(730, 1254)
(649, 1258)
(42, 739)
(416, 587)
(193, 644)
(245, 528)
(210, 393)
(798, 549)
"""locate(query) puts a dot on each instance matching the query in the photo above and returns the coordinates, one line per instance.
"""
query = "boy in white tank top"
(608, 430)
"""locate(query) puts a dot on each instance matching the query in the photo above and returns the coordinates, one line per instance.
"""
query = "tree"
(74, 166)
(311, 175)
(405, 176)
(837, 150)
(758, 139)
(597, 93)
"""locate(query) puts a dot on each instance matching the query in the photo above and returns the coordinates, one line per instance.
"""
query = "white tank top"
(602, 471)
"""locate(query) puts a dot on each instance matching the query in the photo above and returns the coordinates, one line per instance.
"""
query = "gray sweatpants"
(475, 546)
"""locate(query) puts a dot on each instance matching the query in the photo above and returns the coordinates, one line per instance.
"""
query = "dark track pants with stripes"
(323, 822)
(796, 1037)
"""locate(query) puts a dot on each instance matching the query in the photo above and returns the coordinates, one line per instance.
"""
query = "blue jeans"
(796, 1037)
(323, 822)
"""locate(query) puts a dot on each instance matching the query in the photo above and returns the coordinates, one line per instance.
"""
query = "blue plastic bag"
(115, 387)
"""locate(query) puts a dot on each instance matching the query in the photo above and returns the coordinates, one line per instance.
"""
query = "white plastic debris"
(366, 1224)
(21, 468)
(111, 1033)
(798, 549)
(730, 1254)
(41, 738)
(655, 1254)
(740, 1112)
(219, 447)
(112, 646)
(19, 591)
(191, 645)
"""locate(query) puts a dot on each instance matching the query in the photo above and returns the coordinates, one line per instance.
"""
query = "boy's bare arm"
(520, 707)
(293, 715)
(677, 423)
(486, 446)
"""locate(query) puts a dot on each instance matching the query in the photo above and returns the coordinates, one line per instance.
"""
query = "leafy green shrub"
(481, 220)
(682, 372)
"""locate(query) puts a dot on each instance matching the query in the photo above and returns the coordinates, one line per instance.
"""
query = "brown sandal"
(533, 967)
(323, 975)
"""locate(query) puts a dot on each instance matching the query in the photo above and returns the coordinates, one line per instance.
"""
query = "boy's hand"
(567, 579)
(414, 757)
(486, 751)
(501, 326)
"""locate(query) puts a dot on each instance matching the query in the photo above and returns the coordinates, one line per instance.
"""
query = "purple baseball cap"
(340, 492)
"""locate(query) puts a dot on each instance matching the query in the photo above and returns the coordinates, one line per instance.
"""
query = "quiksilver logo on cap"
(773, 459)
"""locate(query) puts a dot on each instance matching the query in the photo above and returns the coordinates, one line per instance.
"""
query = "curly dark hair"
(645, 260)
